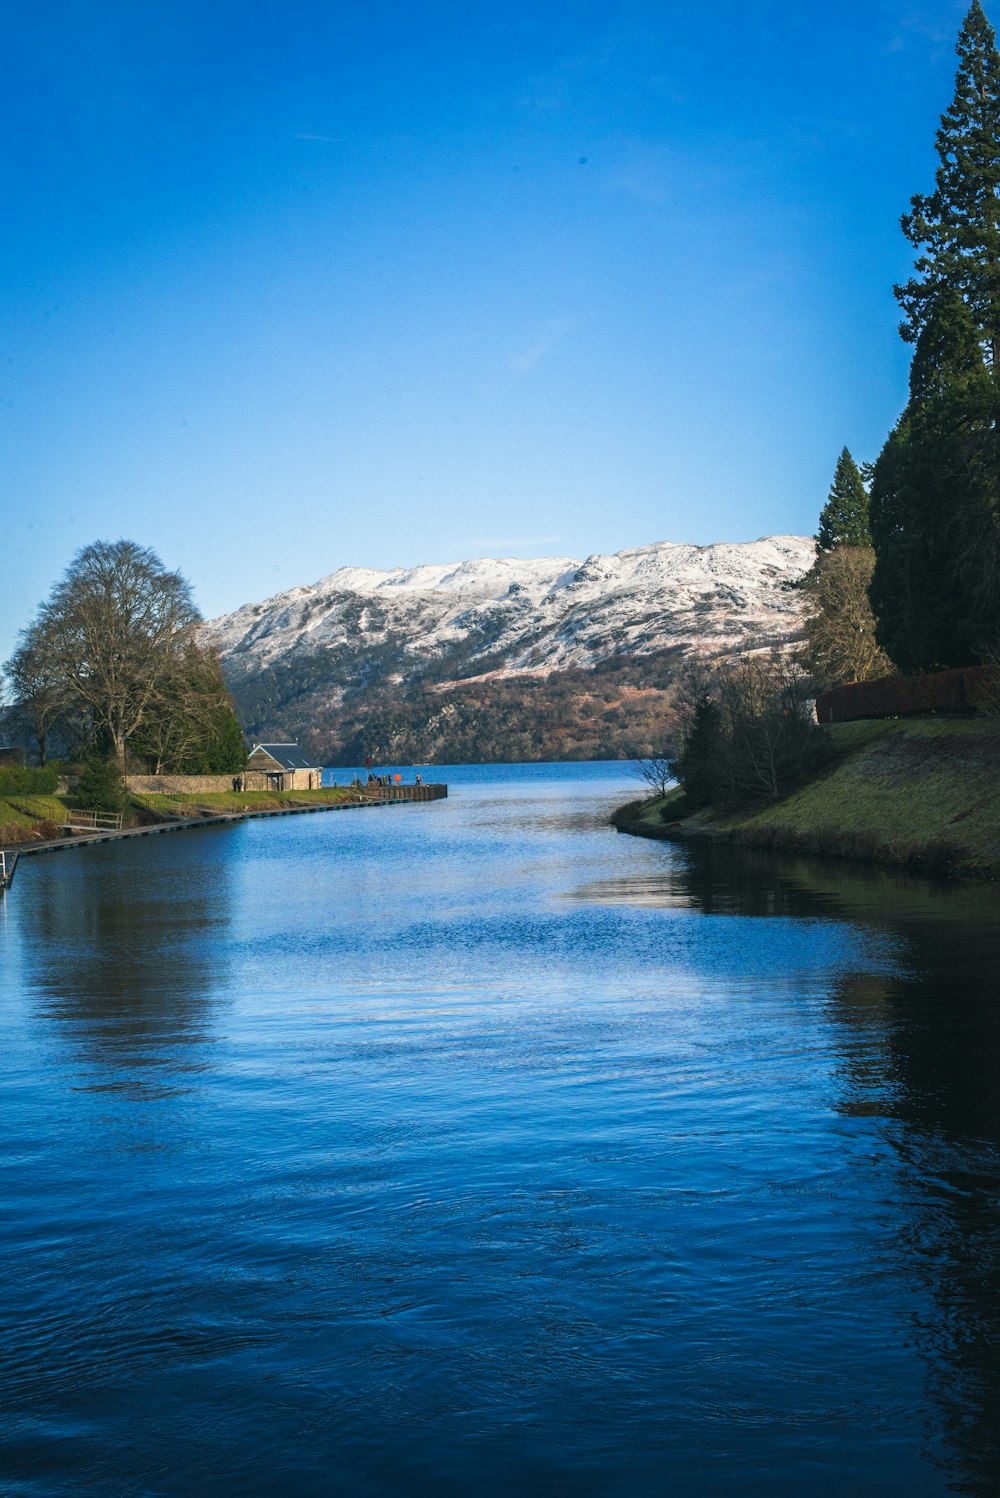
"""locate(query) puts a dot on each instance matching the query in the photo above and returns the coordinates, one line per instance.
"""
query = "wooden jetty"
(395, 795)
(93, 821)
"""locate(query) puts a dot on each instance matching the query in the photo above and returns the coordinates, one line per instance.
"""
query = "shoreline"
(203, 818)
(886, 856)
(918, 794)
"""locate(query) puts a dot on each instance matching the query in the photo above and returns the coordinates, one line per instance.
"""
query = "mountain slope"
(325, 660)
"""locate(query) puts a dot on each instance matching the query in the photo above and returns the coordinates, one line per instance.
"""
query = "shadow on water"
(921, 1061)
(717, 879)
(132, 945)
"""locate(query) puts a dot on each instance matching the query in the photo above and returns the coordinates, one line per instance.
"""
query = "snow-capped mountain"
(515, 616)
(361, 631)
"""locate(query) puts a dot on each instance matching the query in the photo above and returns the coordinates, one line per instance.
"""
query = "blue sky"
(291, 286)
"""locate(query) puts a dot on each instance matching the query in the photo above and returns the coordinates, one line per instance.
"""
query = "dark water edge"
(480, 1146)
(940, 860)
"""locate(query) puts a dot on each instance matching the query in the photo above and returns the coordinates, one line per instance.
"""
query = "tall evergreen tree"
(843, 520)
(934, 503)
(956, 228)
(935, 491)
(699, 766)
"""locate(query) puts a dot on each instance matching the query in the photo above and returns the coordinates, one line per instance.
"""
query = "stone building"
(281, 767)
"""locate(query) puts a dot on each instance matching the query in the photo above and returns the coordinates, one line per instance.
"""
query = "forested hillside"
(613, 711)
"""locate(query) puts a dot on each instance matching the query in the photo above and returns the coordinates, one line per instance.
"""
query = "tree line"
(611, 711)
(935, 488)
(907, 574)
(923, 533)
(111, 667)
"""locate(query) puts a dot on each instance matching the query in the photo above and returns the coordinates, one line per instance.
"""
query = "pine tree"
(956, 228)
(843, 520)
(699, 766)
(101, 787)
(934, 504)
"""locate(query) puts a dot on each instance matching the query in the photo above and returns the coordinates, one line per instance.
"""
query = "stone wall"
(253, 780)
(178, 784)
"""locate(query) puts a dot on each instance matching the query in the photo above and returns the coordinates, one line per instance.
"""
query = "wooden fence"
(964, 690)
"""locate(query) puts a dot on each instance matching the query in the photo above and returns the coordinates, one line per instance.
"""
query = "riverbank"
(26, 819)
(36, 823)
(920, 793)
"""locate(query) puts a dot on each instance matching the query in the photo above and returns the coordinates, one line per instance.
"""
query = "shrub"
(747, 734)
(100, 787)
(16, 780)
(677, 808)
(631, 812)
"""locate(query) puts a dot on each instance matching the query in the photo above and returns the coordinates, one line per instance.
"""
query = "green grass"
(27, 818)
(664, 808)
(923, 792)
(847, 738)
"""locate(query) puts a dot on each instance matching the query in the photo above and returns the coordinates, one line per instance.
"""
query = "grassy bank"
(920, 793)
(28, 819)
(25, 819)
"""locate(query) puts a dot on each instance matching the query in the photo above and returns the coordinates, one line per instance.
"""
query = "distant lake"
(472, 1148)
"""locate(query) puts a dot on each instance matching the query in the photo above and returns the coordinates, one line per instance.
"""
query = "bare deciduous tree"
(39, 691)
(747, 734)
(184, 716)
(762, 713)
(656, 772)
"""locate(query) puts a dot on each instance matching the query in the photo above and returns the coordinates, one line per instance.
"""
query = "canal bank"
(188, 812)
(920, 793)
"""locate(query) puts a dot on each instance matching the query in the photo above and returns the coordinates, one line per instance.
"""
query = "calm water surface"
(456, 1147)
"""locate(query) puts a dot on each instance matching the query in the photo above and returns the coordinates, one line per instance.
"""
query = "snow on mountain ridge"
(489, 576)
(492, 576)
(362, 624)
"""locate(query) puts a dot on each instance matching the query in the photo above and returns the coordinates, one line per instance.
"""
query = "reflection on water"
(128, 948)
(446, 1148)
(921, 1053)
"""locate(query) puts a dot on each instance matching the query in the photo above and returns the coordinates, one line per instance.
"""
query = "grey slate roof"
(288, 756)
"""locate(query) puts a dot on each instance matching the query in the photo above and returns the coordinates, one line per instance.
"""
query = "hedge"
(16, 780)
